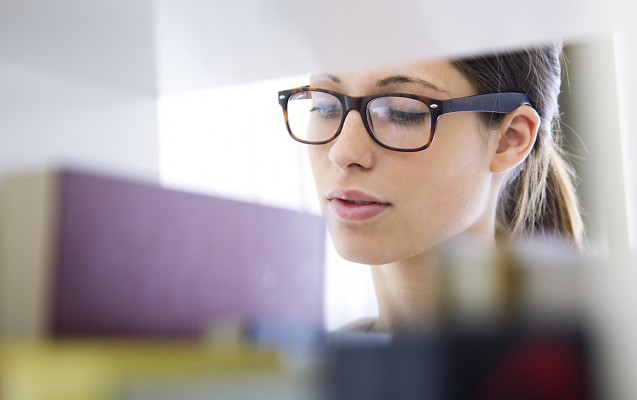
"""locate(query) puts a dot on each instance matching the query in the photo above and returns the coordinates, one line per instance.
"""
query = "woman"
(405, 174)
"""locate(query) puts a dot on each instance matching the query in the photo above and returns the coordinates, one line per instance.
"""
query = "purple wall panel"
(135, 259)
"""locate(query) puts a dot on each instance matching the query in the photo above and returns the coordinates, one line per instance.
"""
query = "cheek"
(318, 163)
(460, 155)
(450, 188)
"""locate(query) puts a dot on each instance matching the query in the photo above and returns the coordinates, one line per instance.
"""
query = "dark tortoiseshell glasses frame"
(499, 103)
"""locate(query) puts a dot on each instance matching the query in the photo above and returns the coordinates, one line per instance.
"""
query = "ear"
(518, 132)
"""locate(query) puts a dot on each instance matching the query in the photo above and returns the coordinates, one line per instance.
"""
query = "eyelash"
(406, 117)
(322, 111)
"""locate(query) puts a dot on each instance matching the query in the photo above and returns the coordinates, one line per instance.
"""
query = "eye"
(327, 110)
(406, 117)
(398, 111)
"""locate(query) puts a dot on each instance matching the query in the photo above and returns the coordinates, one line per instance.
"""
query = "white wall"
(77, 85)
(53, 119)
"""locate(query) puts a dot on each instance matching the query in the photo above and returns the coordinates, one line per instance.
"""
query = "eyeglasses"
(396, 121)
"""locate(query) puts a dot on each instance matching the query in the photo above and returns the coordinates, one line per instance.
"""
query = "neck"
(407, 293)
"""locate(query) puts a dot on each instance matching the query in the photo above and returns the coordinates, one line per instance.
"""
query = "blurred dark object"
(511, 363)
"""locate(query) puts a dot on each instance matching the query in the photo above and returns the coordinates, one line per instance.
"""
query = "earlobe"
(518, 133)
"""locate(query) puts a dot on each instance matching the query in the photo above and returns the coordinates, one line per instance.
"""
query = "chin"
(363, 254)
(365, 259)
(380, 251)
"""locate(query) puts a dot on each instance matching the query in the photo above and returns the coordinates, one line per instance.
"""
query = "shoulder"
(363, 324)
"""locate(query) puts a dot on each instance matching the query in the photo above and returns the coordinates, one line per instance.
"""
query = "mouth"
(358, 202)
(354, 197)
(355, 205)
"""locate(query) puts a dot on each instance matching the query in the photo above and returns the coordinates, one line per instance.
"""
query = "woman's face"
(407, 202)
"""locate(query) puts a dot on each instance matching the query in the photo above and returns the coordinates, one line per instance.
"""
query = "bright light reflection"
(628, 144)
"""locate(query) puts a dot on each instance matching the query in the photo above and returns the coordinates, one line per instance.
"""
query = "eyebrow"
(397, 79)
(331, 77)
(392, 80)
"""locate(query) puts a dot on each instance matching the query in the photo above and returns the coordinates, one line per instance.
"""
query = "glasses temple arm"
(492, 102)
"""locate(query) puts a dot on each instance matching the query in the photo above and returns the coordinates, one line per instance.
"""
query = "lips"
(355, 205)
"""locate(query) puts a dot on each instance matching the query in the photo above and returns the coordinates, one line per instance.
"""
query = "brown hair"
(539, 197)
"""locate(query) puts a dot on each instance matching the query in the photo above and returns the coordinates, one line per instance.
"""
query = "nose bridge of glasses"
(352, 103)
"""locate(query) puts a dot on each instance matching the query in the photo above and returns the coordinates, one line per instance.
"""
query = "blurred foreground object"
(530, 282)
(105, 370)
(456, 364)
(83, 254)
(512, 323)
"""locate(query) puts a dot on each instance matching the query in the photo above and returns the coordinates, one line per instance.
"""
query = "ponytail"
(541, 199)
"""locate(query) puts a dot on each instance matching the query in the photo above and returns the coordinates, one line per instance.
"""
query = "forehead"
(445, 80)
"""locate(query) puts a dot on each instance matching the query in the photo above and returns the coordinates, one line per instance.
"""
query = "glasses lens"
(400, 122)
(314, 116)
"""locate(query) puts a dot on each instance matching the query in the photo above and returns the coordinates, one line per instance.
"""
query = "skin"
(446, 192)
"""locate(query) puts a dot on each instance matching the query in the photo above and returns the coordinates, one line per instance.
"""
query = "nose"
(353, 148)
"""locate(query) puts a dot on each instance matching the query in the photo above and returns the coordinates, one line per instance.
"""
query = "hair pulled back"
(539, 197)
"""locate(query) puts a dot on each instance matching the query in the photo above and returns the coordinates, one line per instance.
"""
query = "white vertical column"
(626, 65)
(605, 106)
